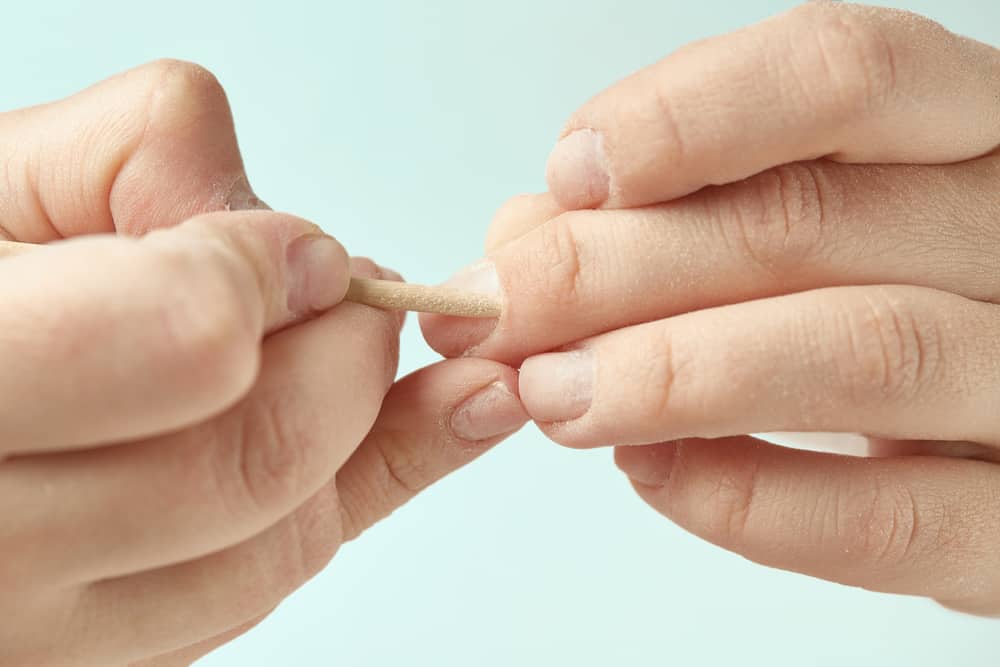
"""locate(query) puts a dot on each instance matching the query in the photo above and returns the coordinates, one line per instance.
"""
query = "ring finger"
(895, 361)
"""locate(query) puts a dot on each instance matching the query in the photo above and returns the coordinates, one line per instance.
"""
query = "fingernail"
(648, 465)
(577, 171)
(241, 197)
(317, 273)
(490, 412)
(481, 278)
(557, 386)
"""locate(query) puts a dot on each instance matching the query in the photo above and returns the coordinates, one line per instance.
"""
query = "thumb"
(150, 334)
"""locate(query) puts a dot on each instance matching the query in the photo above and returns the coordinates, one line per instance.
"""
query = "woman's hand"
(190, 428)
(757, 263)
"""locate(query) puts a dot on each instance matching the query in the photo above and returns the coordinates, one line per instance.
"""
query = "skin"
(793, 227)
(192, 421)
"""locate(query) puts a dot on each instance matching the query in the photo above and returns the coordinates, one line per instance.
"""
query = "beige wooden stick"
(8, 248)
(387, 294)
(407, 296)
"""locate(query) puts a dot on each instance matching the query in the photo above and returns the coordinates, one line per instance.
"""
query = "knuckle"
(729, 503)
(672, 134)
(306, 543)
(182, 93)
(405, 471)
(397, 472)
(848, 53)
(891, 354)
(563, 257)
(657, 380)
(779, 218)
(878, 526)
(314, 539)
(267, 460)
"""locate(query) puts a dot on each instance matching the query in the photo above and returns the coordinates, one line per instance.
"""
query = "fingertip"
(319, 273)
(460, 336)
(518, 216)
(646, 465)
(452, 336)
(577, 170)
(493, 411)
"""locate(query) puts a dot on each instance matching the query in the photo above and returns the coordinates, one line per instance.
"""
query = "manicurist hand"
(190, 425)
(797, 228)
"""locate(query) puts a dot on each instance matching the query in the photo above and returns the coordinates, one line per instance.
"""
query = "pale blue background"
(401, 127)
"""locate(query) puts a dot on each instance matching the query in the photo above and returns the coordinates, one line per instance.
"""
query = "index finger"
(849, 82)
(145, 149)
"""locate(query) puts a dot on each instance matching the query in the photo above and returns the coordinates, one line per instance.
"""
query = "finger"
(186, 656)
(518, 216)
(920, 525)
(166, 333)
(793, 228)
(432, 422)
(854, 83)
(477, 402)
(145, 149)
(885, 448)
(214, 485)
(895, 361)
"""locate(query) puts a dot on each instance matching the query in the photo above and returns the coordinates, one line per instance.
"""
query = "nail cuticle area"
(578, 172)
(481, 278)
(492, 411)
(558, 387)
(316, 273)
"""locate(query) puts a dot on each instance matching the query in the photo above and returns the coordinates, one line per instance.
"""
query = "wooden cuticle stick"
(385, 294)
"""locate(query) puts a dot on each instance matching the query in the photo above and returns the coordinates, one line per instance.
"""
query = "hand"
(755, 264)
(190, 429)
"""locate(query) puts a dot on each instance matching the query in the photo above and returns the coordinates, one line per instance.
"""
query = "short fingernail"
(492, 411)
(577, 171)
(317, 273)
(648, 465)
(558, 386)
(480, 278)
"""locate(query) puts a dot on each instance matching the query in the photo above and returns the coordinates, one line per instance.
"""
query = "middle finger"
(794, 228)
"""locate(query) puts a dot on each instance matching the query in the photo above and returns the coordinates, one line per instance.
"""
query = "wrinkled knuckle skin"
(564, 260)
(268, 461)
(406, 470)
(877, 527)
(314, 541)
(729, 504)
(892, 354)
(306, 545)
(778, 219)
(656, 383)
(847, 53)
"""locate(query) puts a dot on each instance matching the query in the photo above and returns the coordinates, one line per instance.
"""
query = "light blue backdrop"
(401, 126)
